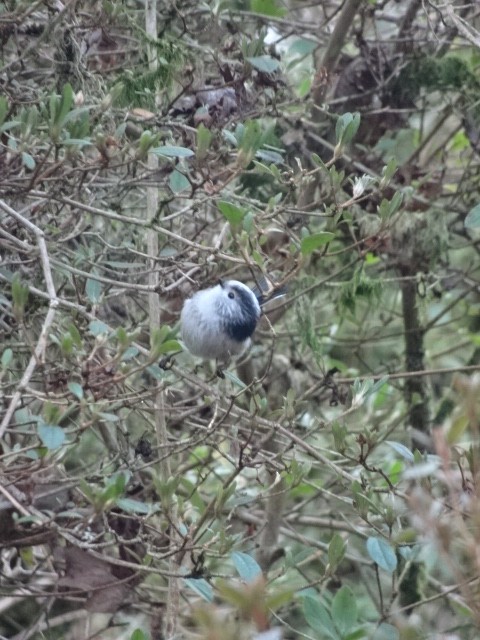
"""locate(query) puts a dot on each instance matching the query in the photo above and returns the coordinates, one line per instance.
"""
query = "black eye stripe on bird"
(218, 322)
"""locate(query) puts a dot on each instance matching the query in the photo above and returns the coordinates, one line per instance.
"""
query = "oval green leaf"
(97, 328)
(178, 182)
(472, 221)
(169, 346)
(168, 151)
(382, 553)
(267, 8)
(28, 160)
(201, 587)
(76, 389)
(135, 506)
(336, 551)
(51, 435)
(401, 449)
(344, 610)
(265, 64)
(231, 212)
(93, 289)
(312, 242)
(7, 356)
(319, 618)
(386, 632)
(247, 567)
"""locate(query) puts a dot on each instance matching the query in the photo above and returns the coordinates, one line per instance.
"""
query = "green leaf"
(76, 389)
(382, 553)
(457, 429)
(178, 182)
(115, 488)
(3, 109)
(356, 635)
(156, 372)
(135, 506)
(340, 125)
(173, 152)
(169, 346)
(52, 413)
(317, 160)
(262, 168)
(204, 138)
(232, 213)
(388, 172)
(472, 221)
(346, 127)
(24, 417)
(147, 140)
(7, 356)
(128, 354)
(108, 417)
(265, 64)
(302, 47)
(93, 289)
(351, 129)
(8, 126)
(248, 221)
(59, 108)
(19, 294)
(386, 632)
(76, 142)
(66, 102)
(267, 8)
(339, 432)
(247, 567)
(344, 610)
(249, 136)
(304, 87)
(66, 344)
(139, 634)
(79, 115)
(52, 436)
(268, 155)
(395, 203)
(312, 242)
(230, 137)
(401, 449)
(75, 333)
(376, 386)
(319, 618)
(28, 161)
(235, 379)
(336, 551)
(201, 587)
(97, 328)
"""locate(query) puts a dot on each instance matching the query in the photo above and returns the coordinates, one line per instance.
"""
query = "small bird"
(218, 322)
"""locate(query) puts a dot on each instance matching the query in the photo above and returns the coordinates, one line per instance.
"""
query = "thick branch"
(334, 48)
(415, 387)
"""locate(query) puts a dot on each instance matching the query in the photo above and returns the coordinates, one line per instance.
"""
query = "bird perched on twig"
(218, 322)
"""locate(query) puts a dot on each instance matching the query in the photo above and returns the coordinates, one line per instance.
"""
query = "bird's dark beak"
(221, 282)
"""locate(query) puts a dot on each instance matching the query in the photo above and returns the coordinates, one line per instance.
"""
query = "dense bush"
(325, 484)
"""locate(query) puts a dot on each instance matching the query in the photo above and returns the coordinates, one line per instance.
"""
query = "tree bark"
(416, 395)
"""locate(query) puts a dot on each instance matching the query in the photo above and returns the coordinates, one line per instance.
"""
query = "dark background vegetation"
(327, 485)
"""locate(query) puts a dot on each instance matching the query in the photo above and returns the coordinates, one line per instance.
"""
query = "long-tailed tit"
(218, 322)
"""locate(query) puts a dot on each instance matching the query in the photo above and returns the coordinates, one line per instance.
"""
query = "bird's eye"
(231, 295)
